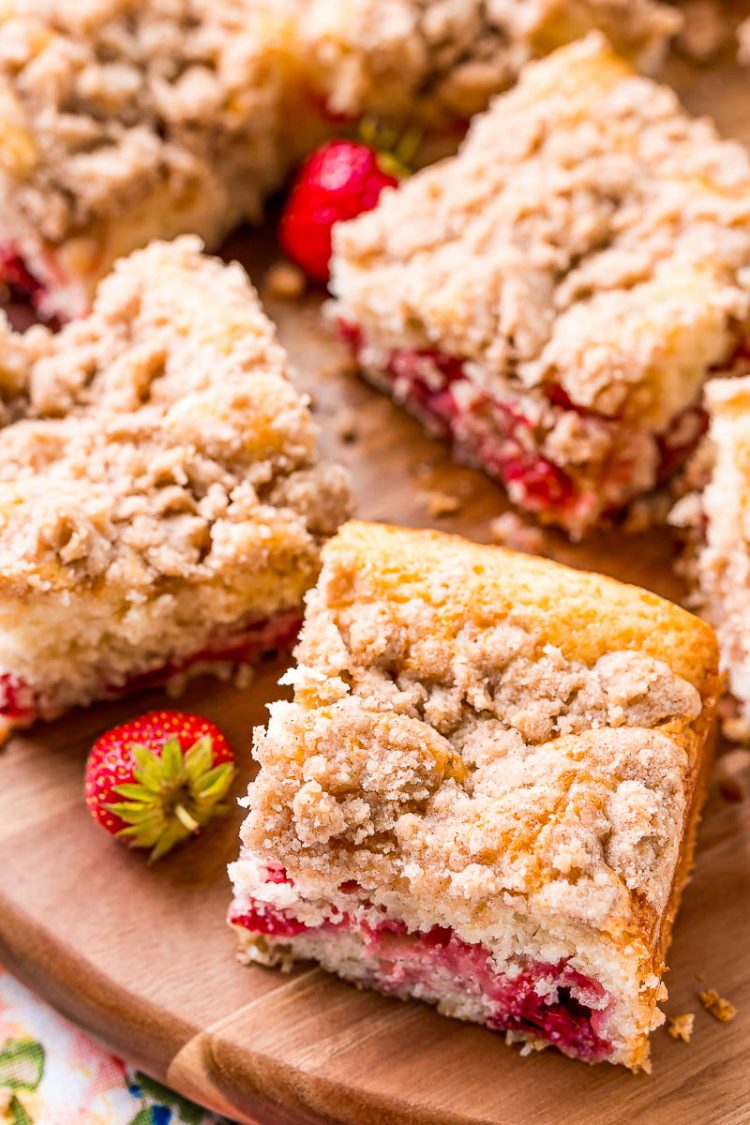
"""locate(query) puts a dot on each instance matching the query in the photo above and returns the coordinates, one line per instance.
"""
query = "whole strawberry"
(158, 779)
(338, 181)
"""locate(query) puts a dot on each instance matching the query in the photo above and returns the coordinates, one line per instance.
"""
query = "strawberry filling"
(16, 699)
(553, 1002)
(249, 647)
(19, 701)
(15, 274)
(499, 436)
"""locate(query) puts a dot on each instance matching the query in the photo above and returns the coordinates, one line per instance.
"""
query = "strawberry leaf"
(147, 767)
(172, 761)
(132, 790)
(216, 782)
(133, 812)
(199, 758)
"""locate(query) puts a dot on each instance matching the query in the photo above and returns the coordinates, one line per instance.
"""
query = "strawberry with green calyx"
(157, 780)
(338, 181)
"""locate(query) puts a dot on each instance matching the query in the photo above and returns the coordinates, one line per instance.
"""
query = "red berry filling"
(249, 647)
(555, 1002)
(260, 918)
(499, 436)
(492, 433)
(15, 274)
(18, 700)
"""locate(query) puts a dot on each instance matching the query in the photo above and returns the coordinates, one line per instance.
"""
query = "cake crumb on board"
(681, 1027)
(705, 30)
(348, 426)
(440, 503)
(509, 530)
(717, 1006)
(285, 281)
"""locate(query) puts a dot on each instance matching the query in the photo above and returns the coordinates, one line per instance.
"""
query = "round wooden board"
(141, 956)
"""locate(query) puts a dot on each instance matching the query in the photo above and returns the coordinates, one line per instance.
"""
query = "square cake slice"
(485, 791)
(435, 64)
(162, 504)
(715, 519)
(552, 299)
(123, 121)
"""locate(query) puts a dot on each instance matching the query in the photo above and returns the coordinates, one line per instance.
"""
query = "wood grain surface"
(142, 956)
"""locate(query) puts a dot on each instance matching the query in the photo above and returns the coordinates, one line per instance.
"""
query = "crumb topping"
(717, 1006)
(590, 234)
(158, 438)
(681, 1027)
(443, 59)
(105, 100)
(475, 762)
(439, 503)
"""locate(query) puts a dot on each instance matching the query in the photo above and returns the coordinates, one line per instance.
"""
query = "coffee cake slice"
(123, 121)
(162, 504)
(715, 519)
(435, 63)
(552, 299)
(485, 791)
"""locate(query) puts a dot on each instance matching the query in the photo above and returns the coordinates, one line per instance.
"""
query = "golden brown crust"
(585, 615)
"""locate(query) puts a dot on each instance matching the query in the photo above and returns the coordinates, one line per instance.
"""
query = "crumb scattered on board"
(705, 30)
(717, 1006)
(743, 38)
(681, 1027)
(733, 774)
(347, 426)
(441, 503)
(285, 281)
(509, 530)
(646, 512)
(734, 728)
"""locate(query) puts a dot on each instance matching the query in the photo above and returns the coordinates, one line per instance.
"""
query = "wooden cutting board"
(142, 956)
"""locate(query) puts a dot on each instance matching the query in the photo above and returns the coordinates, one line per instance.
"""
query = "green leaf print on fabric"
(19, 1114)
(21, 1064)
(142, 1117)
(189, 1114)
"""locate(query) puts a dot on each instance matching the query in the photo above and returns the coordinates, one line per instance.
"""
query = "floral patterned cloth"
(51, 1073)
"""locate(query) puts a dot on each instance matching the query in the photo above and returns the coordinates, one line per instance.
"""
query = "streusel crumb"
(439, 503)
(162, 500)
(509, 530)
(159, 437)
(285, 281)
(435, 60)
(705, 31)
(681, 1027)
(717, 1006)
(114, 98)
